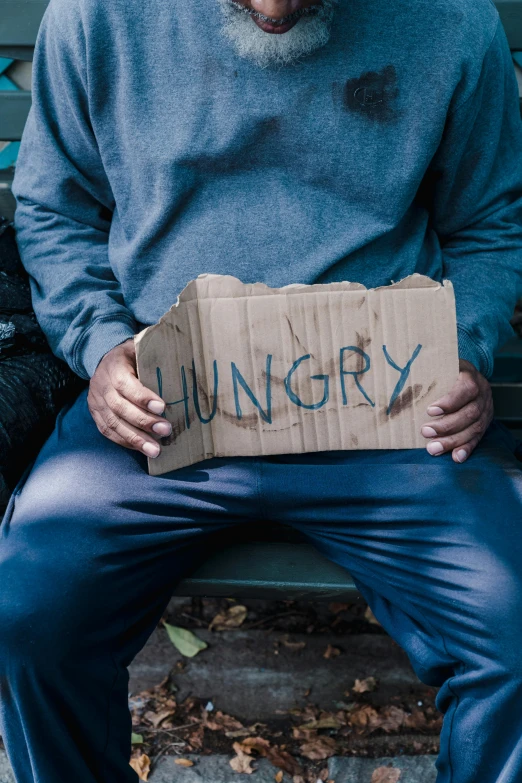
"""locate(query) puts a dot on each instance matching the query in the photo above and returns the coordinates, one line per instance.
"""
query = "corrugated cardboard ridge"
(209, 286)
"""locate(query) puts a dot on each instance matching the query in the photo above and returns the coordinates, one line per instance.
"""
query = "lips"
(275, 29)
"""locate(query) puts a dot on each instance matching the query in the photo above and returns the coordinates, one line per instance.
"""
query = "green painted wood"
(14, 108)
(20, 21)
(508, 364)
(511, 16)
(17, 52)
(270, 569)
(507, 400)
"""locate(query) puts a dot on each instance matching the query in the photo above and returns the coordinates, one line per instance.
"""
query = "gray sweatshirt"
(154, 153)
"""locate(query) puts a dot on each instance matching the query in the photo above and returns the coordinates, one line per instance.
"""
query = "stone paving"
(216, 769)
(247, 676)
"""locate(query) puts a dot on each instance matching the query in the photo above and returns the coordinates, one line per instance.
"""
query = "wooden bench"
(276, 563)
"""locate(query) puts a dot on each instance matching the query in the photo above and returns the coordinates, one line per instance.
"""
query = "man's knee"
(32, 622)
(43, 603)
(492, 618)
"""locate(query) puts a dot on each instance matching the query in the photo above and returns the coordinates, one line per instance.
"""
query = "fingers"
(124, 410)
(465, 391)
(128, 386)
(127, 424)
(453, 423)
(460, 432)
(463, 452)
(461, 417)
(132, 414)
(125, 434)
(459, 441)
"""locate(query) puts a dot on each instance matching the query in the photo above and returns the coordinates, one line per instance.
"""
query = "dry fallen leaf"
(141, 765)
(221, 722)
(254, 743)
(327, 722)
(363, 718)
(246, 731)
(303, 735)
(278, 757)
(293, 645)
(386, 775)
(195, 738)
(319, 748)
(155, 718)
(184, 762)
(391, 719)
(279, 776)
(331, 652)
(242, 762)
(233, 617)
(283, 760)
(365, 686)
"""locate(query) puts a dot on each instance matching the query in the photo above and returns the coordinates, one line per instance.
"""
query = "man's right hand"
(124, 410)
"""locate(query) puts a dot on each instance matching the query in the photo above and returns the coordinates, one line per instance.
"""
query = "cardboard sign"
(250, 370)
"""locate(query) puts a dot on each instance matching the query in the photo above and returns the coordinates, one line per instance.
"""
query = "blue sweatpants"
(91, 547)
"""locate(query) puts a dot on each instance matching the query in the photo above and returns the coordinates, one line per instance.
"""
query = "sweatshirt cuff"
(473, 352)
(101, 336)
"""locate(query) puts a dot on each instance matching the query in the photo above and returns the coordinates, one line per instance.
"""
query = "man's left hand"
(460, 419)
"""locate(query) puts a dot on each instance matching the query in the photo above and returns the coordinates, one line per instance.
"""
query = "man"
(283, 141)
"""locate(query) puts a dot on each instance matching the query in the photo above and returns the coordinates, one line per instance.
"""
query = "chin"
(269, 46)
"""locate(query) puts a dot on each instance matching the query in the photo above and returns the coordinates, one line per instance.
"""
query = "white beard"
(265, 49)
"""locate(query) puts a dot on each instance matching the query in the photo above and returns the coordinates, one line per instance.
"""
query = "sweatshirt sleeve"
(65, 204)
(477, 209)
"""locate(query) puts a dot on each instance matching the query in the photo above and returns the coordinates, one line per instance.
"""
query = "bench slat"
(14, 108)
(19, 21)
(271, 569)
(511, 17)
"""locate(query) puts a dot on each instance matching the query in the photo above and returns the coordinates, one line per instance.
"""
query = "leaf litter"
(297, 742)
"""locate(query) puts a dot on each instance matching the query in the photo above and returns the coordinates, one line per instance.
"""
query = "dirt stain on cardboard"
(404, 401)
(296, 338)
(249, 422)
(362, 340)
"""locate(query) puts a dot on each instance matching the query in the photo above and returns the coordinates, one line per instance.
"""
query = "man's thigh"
(437, 541)
(89, 532)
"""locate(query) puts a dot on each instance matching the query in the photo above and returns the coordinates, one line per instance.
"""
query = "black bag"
(34, 384)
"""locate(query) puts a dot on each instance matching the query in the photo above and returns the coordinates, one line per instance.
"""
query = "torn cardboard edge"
(249, 370)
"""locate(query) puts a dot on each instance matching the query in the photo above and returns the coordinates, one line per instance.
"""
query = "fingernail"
(435, 448)
(461, 455)
(151, 450)
(156, 406)
(162, 428)
(434, 410)
(429, 432)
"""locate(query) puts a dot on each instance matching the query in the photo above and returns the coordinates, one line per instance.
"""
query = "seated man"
(283, 141)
